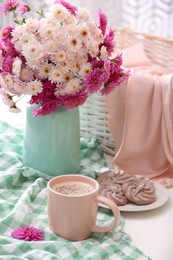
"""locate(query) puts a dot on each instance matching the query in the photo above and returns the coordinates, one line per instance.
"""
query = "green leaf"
(23, 20)
(16, 21)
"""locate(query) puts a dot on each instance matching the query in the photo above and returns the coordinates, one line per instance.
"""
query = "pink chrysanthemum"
(97, 63)
(102, 21)
(45, 109)
(109, 41)
(28, 233)
(47, 95)
(115, 80)
(106, 71)
(11, 5)
(9, 49)
(75, 100)
(118, 60)
(6, 32)
(46, 98)
(7, 64)
(93, 81)
(23, 8)
(71, 8)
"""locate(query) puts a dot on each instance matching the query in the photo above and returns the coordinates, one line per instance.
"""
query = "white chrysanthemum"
(103, 53)
(65, 66)
(33, 64)
(60, 56)
(93, 48)
(50, 46)
(6, 99)
(59, 12)
(32, 25)
(2, 83)
(26, 74)
(98, 36)
(34, 87)
(49, 17)
(76, 66)
(67, 77)
(84, 33)
(72, 29)
(45, 70)
(18, 88)
(14, 109)
(82, 14)
(69, 19)
(33, 51)
(18, 46)
(60, 92)
(71, 56)
(26, 38)
(47, 31)
(61, 36)
(18, 32)
(56, 75)
(85, 69)
(92, 27)
(74, 43)
(17, 63)
(8, 81)
(83, 57)
(73, 86)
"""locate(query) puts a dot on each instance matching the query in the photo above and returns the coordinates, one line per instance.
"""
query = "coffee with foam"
(73, 188)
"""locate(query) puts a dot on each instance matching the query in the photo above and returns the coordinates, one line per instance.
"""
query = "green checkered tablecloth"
(23, 202)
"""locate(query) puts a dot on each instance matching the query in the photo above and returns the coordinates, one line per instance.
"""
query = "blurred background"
(154, 16)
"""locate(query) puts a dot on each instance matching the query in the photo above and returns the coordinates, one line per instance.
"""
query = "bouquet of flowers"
(59, 59)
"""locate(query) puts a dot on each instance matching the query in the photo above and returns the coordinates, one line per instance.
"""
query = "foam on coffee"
(73, 188)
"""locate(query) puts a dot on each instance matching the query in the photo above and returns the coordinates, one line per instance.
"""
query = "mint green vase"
(52, 142)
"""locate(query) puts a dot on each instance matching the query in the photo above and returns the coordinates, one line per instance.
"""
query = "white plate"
(162, 196)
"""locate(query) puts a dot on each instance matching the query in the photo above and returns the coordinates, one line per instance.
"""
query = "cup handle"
(115, 211)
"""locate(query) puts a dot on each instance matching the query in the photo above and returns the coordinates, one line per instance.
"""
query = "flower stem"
(16, 20)
(41, 13)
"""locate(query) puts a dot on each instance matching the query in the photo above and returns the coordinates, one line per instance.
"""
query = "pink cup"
(73, 217)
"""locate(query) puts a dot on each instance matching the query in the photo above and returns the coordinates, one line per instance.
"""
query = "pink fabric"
(142, 124)
(134, 56)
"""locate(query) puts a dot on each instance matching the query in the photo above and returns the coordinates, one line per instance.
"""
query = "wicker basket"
(93, 113)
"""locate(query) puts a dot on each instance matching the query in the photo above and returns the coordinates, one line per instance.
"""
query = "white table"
(151, 231)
